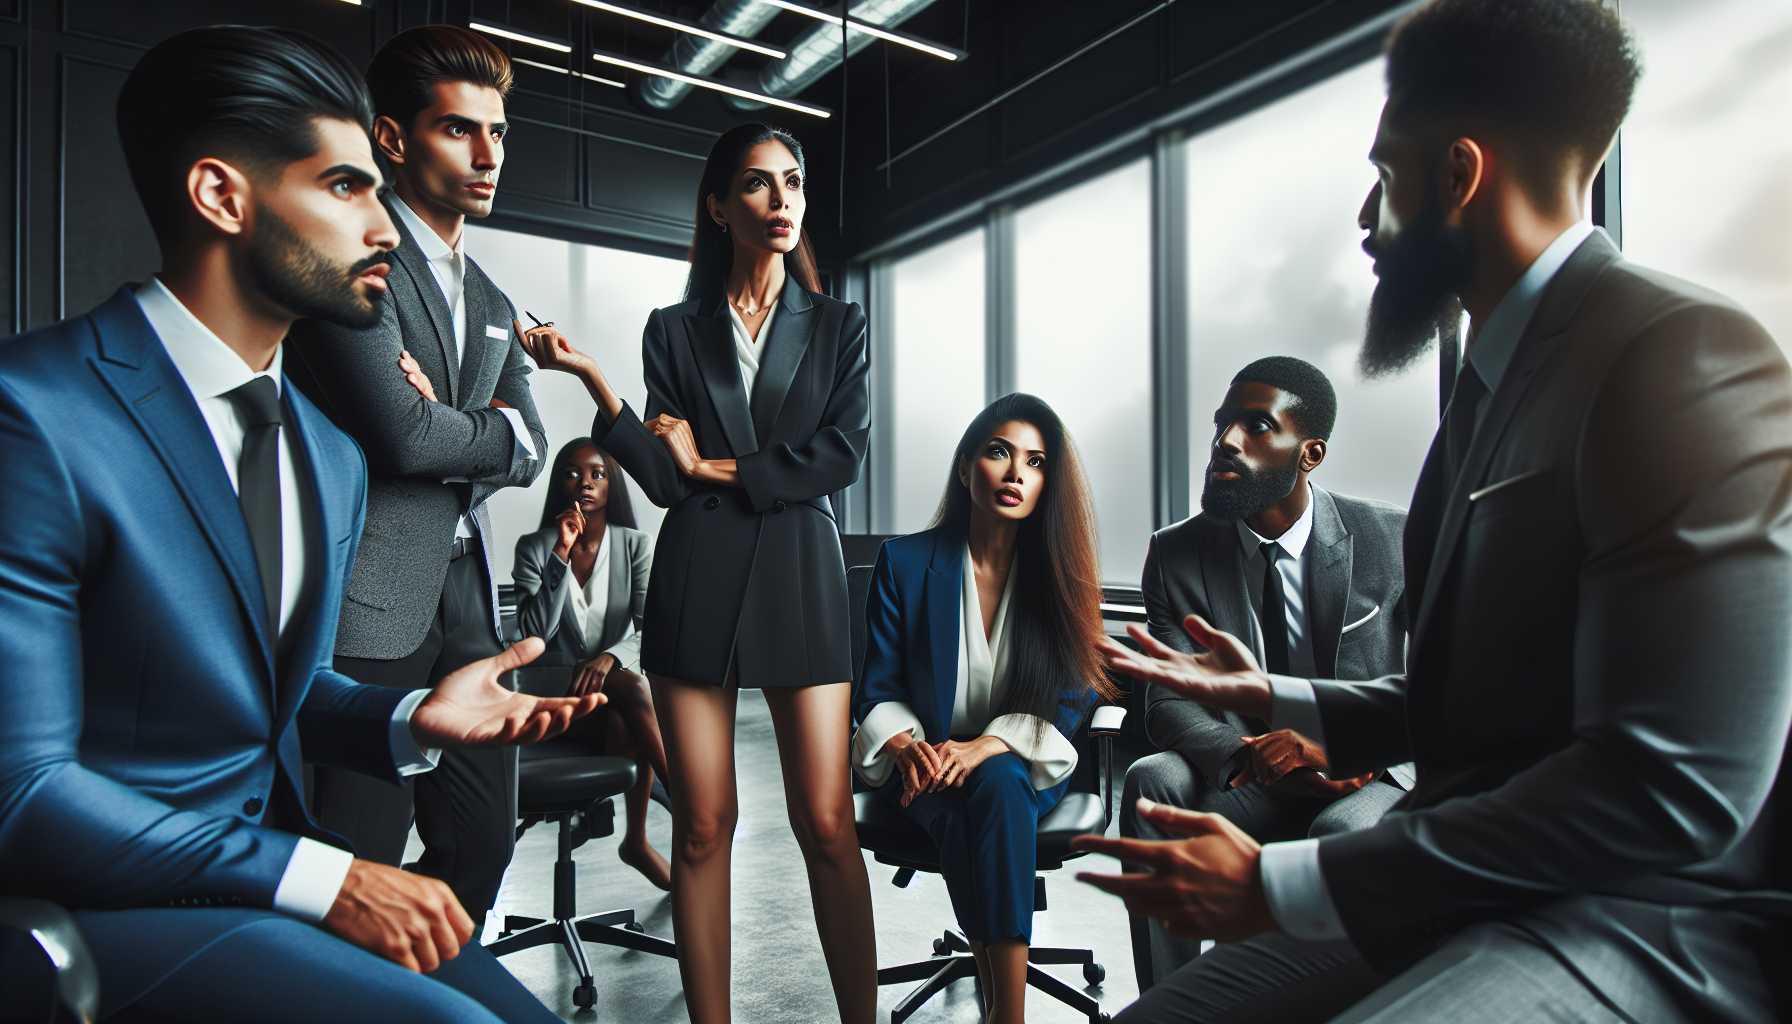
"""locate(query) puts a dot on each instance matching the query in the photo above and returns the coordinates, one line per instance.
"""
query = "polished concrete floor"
(779, 974)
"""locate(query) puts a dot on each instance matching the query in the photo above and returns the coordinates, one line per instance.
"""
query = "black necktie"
(257, 406)
(1275, 612)
(1459, 420)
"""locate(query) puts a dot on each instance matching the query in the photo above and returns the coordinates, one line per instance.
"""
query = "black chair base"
(610, 928)
(952, 961)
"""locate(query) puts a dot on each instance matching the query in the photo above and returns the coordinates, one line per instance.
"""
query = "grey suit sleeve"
(541, 587)
(513, 390)
(1173, 722)
(1684, 494)
(403, 433)
(628, 650)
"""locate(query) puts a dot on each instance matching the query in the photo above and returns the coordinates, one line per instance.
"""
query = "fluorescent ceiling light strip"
(564, 71)
(685, 26)
(709, 83)
(866, 27)
(521, 37)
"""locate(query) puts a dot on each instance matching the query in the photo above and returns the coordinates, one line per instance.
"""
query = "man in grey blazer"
(1333, 597)
(441, 435)
(1599, 558)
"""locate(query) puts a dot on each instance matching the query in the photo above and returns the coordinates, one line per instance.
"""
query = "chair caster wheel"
(1094, 974)
(636, 927)
(1100, 1018)
(940, 948)
(584, 996)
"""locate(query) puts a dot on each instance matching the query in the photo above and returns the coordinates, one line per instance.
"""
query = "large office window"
(1276, 268)
(1082, 318)
(1706, 157)
(600, 298)
(935, 356)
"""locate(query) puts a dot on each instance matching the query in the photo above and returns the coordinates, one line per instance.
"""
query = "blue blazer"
(911, 636)
(146, 724)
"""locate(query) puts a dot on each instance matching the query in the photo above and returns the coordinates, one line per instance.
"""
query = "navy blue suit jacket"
(147, 728)
(911, 636)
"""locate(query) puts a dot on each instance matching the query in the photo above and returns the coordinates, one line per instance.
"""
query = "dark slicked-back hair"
(1316, 407)
(1555, 77)
(404, 73)
(247, 95)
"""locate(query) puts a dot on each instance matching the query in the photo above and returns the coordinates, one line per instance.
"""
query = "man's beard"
(1251, 493)
(303, 281)
(1422, 273)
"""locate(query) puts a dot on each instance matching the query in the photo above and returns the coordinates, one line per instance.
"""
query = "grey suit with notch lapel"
(544, 607)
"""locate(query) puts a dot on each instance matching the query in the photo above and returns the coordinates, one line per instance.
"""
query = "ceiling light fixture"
(521, 37)
(576, 74)
(899, 38)
(684, 26)
(708, 83)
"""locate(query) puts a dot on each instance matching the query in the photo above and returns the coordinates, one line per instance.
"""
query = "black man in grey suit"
(1312, 580)
(437, 394)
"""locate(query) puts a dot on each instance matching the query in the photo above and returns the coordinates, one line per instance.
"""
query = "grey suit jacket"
(1354, 582)
(1599, 687)
(544, 605)
(414, 445)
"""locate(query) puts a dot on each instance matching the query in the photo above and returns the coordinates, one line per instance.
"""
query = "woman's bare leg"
(630, 737)
(986, 986)
(812, 725)
(698, 722)
(1008, 966)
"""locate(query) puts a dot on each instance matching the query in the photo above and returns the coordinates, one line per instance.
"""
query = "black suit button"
(712, 503)
(779, 506)
(252, 806)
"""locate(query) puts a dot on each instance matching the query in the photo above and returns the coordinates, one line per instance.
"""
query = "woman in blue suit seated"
(980, 664)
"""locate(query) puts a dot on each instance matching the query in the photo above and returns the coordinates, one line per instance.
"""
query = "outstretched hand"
(471, 707)
(1205, 885)
(1225, 674)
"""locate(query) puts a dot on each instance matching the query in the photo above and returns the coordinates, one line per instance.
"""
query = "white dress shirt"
(448, 265)
(211, 370)
(1292, 880)
(1291, 563)
(747, 346)
(982, 683)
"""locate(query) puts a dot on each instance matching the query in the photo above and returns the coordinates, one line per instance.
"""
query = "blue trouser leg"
(987, 832)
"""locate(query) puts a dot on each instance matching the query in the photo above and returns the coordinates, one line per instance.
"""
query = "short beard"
(1416, 299)
(298, 278)
(1232, 500)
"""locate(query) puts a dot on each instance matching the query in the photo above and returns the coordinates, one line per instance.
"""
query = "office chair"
(45, 968)
(895, 840)
(561, 781)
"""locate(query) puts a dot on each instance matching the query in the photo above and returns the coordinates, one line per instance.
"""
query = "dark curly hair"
(1316, 407)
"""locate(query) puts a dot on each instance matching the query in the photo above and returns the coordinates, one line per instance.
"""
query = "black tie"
(258, 483)
(1459, 420)
(1275, 612)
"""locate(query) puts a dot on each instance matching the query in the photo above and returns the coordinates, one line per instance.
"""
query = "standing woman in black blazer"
(756, 412)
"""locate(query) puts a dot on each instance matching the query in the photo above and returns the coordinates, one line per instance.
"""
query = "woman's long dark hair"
(1055, 611)
(712, 251)
(619, 510)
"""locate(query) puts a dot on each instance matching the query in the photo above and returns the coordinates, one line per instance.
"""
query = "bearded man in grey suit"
(437, 395)
(1312, 581)
(1598, 686)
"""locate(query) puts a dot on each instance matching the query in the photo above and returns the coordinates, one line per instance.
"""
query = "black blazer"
(750, 579)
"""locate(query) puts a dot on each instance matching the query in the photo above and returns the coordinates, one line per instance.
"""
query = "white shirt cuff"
(312, 878)
(524, 446)
(884, 721)
(1294, 705)
(410, 758)
(1295, 889)
(1050, 757)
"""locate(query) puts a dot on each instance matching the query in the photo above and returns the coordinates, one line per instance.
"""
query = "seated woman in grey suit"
(581, 582)
(980, 664)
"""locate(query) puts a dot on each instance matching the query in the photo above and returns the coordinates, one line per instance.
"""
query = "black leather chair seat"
(888, 833)
(558, 777)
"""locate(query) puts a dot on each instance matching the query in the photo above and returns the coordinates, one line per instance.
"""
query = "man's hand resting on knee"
(412, 920)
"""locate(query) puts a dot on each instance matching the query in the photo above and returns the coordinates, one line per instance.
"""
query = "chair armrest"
(1104, 726)
(1107, 720)
(52, 929)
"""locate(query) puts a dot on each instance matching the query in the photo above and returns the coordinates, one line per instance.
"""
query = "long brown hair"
(619, 509)
(1056, 610)
(712, 251)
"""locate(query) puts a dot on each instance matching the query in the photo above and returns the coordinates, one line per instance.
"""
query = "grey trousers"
(1266, 816)
(1488, 974)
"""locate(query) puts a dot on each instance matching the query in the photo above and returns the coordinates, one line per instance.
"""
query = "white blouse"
(747, 349)
(591, 603)
(982, 683)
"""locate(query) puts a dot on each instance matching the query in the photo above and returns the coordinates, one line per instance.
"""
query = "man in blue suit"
(180, 528)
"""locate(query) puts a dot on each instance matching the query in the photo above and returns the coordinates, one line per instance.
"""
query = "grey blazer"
(1599, 685)
(1354, 581)
(544, 605)
(414, 445)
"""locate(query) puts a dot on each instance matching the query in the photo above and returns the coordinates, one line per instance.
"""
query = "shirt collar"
(1496, 341)
(428, 242)
(1293, 541)
(209, 367)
